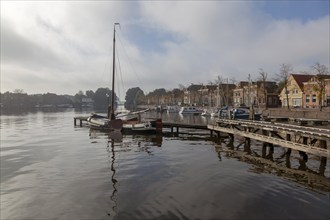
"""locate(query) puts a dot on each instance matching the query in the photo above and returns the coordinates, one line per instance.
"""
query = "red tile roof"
(301, 78)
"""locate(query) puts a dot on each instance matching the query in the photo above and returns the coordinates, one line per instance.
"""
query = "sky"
(64, 47)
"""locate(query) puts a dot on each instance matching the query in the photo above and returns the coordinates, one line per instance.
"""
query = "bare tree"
(283, 76)
(221, 94)
(263, 79)
(322, 73)
(182, 87)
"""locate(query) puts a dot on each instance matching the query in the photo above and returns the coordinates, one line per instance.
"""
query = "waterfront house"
(317, 92)
(239, 94)
(295, 88)
(267, 94)
(256, 94)
(191, 95)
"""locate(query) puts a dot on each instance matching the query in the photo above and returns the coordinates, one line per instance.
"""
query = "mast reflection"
(113, 137)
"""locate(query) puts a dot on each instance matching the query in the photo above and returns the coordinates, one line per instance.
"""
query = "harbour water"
(53, 170)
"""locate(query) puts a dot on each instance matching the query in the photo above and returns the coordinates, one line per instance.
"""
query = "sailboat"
(127, 122)
(110, 122)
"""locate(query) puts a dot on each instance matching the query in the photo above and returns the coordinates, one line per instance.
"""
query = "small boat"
(220, 113)
(190, 110)
(243, 113)
(206, 113)
(173, 109)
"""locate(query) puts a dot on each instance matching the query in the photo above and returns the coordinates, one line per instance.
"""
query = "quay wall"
(298, 113)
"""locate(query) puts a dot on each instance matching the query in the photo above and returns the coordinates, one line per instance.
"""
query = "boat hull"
(103, 123)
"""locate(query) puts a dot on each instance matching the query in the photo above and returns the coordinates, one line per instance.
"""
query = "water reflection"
(269, 162)
(111, 153)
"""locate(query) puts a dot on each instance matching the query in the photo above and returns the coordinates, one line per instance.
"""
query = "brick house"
(253, 94)
(311, 97)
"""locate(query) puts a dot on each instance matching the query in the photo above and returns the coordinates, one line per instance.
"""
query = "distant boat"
(206, 113)
(190, 110)
(220, 113)
(243, 113)
(173, 109)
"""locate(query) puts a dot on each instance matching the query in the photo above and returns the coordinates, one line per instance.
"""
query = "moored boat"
(173, 109)
(206, 113)
(100, 122)
(244, 113)
(190, 110)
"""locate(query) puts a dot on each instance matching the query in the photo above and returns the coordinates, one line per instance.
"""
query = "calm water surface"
(53, 170)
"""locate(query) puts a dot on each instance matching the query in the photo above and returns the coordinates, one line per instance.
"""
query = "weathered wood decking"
(306, 139)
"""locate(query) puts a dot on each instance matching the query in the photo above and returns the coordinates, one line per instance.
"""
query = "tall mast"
(112, 116)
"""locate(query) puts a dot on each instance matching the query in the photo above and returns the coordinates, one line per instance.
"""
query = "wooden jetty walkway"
(178, 125)
(81, 119)
(311, 140)
(304, 139)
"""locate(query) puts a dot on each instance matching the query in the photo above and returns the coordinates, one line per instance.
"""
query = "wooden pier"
(81, 119)
(304, 139)
(177, 125)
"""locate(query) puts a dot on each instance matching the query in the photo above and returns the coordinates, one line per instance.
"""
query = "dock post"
(247, 140)
(264, 144)
(80, 122)
(303, 156)
(323, 161)
(288, 151)
(75, 121)
(231, 136)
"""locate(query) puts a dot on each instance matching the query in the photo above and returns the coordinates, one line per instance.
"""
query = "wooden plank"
(306, 131)
(277, 141)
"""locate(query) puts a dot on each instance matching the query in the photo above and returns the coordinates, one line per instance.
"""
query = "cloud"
(65, 47)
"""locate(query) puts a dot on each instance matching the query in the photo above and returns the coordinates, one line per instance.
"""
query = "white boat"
(173, 109)
(206, 113)
(190, 110)
(221, 113)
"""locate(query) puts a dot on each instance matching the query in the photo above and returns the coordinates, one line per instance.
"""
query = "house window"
(314, 98)
(307, 98)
